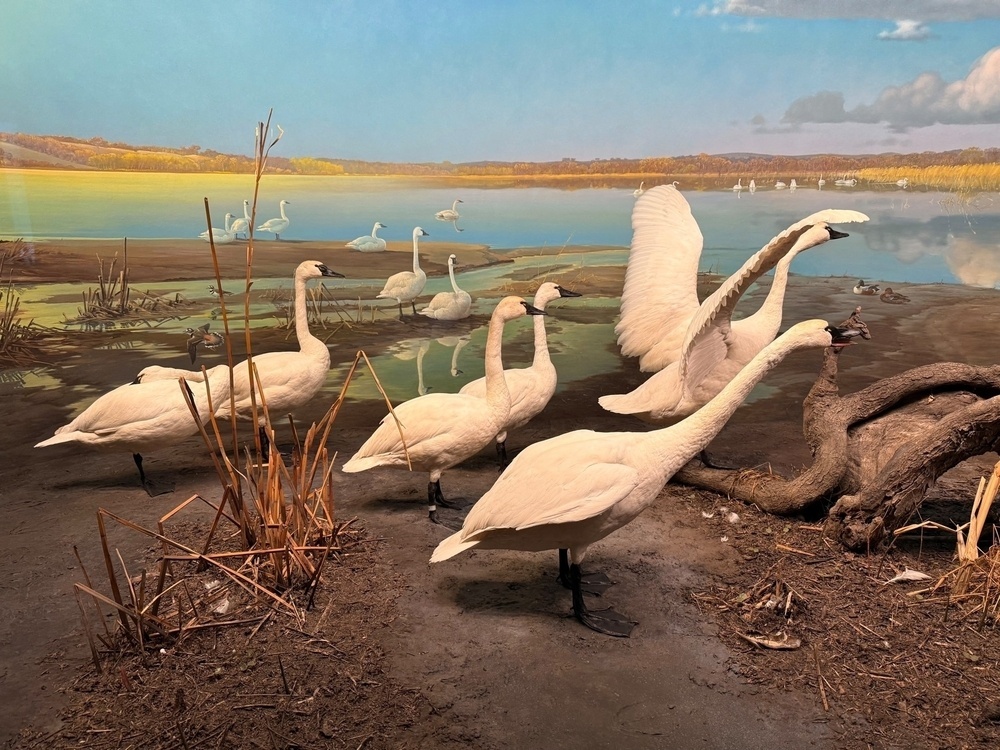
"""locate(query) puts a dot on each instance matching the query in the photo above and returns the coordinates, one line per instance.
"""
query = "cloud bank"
(887, 10)
(927, 100)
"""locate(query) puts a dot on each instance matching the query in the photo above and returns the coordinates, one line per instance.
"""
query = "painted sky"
(433, 80)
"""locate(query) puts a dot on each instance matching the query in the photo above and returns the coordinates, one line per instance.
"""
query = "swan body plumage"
(278, 225)
(443, 429)
(660, 296)
(406, 286)
(453, 305)
(715, 348)
(793, 185)
(779, 185)
(221, 236)
(753, 186)
(369, 243)
(738, 186)
(449, 214)
(242, 225)
(573, 490)
(531, 388)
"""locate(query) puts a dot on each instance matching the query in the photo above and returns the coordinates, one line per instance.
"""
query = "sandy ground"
(486, 636)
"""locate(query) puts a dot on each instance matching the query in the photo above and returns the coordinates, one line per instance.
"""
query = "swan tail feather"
(64, 437)
(618, 403)
(362, 463)
(452, 546)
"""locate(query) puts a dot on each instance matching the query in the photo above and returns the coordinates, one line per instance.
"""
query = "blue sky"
(508, 79)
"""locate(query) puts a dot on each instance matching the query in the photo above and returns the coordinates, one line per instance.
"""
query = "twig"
(819, 679)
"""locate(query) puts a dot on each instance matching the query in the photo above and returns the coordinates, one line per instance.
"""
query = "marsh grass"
(20, 343)
(962, 178)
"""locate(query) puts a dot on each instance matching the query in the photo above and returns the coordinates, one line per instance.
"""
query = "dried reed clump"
(20, 342)
(957, 177)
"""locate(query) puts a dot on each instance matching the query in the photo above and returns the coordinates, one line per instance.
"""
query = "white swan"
(532, 387)
(903, 183)
(453, 305)
(575, 489)
(753, 186)
(738, 186)
(639, 191)
(715, 347)
(845, 182)
(779, 185)
(289, 379)
(443, 429)
(221, 236)
(369, 243)
(793, 185)
(821, 182)
(406, 286)
(242, 225)
(449, 214)
(144, 416)
(276, 226)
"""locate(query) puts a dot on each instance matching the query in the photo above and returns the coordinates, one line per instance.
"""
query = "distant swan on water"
(449, 214)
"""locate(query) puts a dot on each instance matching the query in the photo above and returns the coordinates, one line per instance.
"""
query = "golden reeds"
(956, 177)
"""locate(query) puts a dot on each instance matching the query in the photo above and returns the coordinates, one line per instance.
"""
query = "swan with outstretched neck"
(406, 286)
(242, 225)
(531, 388)
(278, 225)
(441, 430)
(453, 305)
(570, 491)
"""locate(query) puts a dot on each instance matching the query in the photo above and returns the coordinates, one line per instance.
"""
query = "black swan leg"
(265, 444)
(502, 454)
(590, 583)
(151, 488)
(414, 306)
(434, 499)
(605, 621)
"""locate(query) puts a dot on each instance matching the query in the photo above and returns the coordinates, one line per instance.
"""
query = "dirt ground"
(479, 651)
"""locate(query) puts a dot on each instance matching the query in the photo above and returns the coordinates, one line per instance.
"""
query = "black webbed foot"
(594, 583)
(605, 621)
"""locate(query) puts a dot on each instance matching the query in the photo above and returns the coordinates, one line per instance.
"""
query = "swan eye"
(322, 268)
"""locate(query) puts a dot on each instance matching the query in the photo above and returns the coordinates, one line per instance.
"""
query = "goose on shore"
(278, 225)
(453, 305)
(289, 379)
(369, 243)
(449, 214)
(660, 296)
(531, 388)
(437, 431)
(570, 491)
(406, 286)
(715, 347)
(144, 416)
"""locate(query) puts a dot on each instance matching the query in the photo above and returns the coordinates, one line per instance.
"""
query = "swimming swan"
(144, 416)
(242, 225)
(660, 296)
(715, 347)
(449, 214)
(443, 429)
(406, 286)
(289, 379)
(277, 226)
(453, 305)
(738, 186)
(531, 388)
(639, 190)
(573, 490)
(221, 236)
(369, 243)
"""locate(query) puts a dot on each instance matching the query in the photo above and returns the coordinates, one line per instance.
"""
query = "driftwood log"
(877, 451)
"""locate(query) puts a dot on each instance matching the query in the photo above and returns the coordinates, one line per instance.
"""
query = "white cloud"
(907, 31)
(924, 101)
(887, 10)
(747, 27)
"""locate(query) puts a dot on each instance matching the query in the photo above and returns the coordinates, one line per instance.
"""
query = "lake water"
(914, 236)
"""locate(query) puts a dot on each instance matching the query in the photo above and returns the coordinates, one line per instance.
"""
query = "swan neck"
(416, 255)
(281, 208)
(302, 332)
(451, 275)
(497, 395)
(541, 339)
(769, 314)
(375, 231)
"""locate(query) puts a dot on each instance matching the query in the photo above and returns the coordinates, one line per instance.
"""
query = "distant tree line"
(98, 153)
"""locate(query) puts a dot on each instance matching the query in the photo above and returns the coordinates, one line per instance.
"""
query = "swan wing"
(660, 292)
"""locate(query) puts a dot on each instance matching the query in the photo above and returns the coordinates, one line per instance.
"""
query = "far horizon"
(456, 82)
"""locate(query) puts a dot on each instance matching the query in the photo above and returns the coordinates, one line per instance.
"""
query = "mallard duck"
(201, 335)
(855, 323)
(893, 298)
(867, 289)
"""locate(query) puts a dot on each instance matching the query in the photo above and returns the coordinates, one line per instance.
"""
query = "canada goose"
(144, 416)
(531, 388)
(453, 305)
(276, 226)
(441, 430)
(573, 490)
(406, 286)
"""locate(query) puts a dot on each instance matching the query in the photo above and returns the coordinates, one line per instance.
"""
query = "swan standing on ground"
(443, 429)
(369, 243)
(715, 347)
(573, 490)
(221, 236)
(660, 297)
(453, 305)
(242, 225)
(277, 226)
(289, 379)
(406, 286)
(639, 191)
(532, 387)
(449, 214)
(144, 416)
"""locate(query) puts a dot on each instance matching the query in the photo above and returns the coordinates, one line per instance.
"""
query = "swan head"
(380, 225)
(820, 334)
(313, 269)
(510, 308)
(453, 261)
(550, 291)
(284, 203)
(419, 232)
